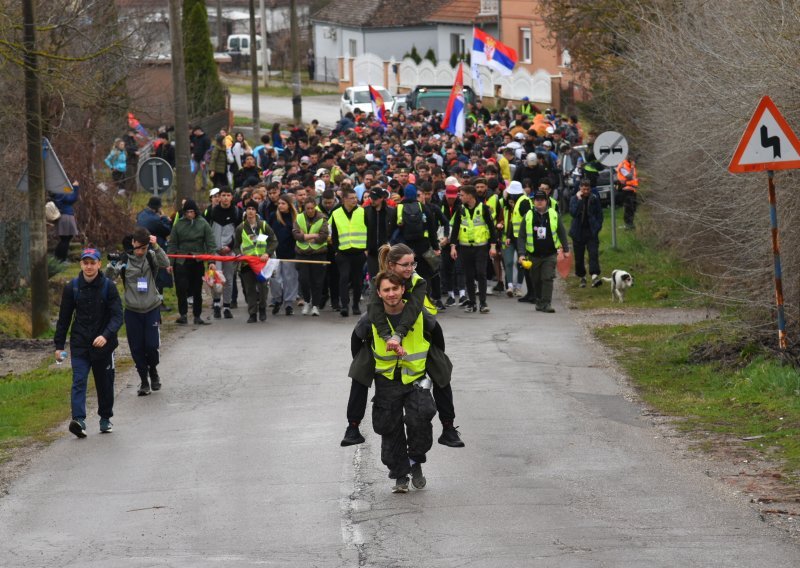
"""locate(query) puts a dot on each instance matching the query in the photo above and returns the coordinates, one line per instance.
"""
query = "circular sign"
(155, 175)
(610, 148)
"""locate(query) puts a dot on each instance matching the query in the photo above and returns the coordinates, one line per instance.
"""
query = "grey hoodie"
(136, 268)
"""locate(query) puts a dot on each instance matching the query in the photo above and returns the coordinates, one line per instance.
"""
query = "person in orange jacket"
(629, 180)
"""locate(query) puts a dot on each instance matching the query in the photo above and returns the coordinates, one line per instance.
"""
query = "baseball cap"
(519, 136)
(547, 144)
(321, 172)
(451, 191)
(377, 193)
(92, 253)
(319, 186)
(214, 191)
(539, 194)
(305, 160)
(452, 180)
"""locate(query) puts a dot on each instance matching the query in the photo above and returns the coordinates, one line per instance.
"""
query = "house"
(522, 28)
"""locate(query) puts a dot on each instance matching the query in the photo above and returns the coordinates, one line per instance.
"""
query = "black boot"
(352, 436)
(155, 380)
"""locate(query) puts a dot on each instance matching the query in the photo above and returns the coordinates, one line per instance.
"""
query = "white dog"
(620, 281)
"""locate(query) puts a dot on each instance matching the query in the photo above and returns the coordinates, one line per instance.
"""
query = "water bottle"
(61, 358)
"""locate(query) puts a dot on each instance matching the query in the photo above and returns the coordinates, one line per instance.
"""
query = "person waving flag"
(378, 105)
(454, 115)
(489, 52)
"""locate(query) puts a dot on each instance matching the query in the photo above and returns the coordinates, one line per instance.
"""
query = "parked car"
(238, 46)
(358, 98)
(400, 103)
(435, 97)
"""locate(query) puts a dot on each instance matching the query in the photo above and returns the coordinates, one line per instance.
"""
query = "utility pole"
(40, 296)
(185, 180)
(220, 39)
(297, 100)
(264, 48)
(254, 72)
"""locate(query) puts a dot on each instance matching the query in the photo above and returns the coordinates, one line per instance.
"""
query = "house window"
(458, 44)
(353, 48)
(525, 45)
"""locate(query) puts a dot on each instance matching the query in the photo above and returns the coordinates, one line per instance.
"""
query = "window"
(525, 45)
(458, 44)
(353, 48)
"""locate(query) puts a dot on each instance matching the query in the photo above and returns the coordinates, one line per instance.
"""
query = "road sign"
(55, 178)
(768, 143)
(610, 148)
(155, 175)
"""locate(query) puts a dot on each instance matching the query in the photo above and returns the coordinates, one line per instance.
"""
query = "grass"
(281, 90)
(248, 122)
(760, 398)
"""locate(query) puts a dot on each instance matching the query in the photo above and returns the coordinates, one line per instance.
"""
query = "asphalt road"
(236, 462)
(325, 108)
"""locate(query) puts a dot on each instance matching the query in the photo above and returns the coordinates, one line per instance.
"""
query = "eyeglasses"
(406, 264)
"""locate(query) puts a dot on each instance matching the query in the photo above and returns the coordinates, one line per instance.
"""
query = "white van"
(240, 43)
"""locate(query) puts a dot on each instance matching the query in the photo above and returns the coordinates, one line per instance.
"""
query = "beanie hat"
(410, 192)
(190, 205)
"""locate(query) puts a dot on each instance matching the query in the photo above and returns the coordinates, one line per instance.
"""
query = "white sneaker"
(306, 309)
(315, 311)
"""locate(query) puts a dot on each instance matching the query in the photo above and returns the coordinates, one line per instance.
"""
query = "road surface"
(325, 108)
(236, 462)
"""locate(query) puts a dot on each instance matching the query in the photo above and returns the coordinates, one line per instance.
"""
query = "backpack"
(76, 290)
(413, 222)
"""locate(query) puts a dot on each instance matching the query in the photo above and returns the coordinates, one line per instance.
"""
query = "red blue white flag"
(378, 105)
(488, 51)
(455, 114)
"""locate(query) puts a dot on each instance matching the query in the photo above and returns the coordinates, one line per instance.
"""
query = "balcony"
(489, 7)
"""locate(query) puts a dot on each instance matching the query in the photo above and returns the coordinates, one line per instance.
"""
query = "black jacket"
(92, 316)
(587, 217)
(377, 227)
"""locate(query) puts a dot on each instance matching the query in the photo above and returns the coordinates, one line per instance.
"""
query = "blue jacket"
(117, 161)
(591, 208)
(64, 201)
(286, 242)
(158, 225)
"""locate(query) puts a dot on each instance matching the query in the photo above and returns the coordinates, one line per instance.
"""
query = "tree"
(430, 55)
(205, 92)
(413, 54)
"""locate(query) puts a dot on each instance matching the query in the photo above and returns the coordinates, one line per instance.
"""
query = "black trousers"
(372, 265)
(62, 248)
(401, 415)
(189, 282)
(452, 273)
(351, 277)
(312, 278)
(330, 286)
(357, 403)
(144, 339)
(474, 260)
(592, 246)
(628, 206)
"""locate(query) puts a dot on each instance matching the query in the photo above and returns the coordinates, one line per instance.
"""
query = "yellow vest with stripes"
(474, 231)
(427, 304)
(254, 248)
(530, 242)
(412, 366)
(353, 231)
(516, 217)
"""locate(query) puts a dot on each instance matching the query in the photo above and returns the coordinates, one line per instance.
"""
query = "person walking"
(587, 221)
(91, 312)
(224, 219)
(254, 237)
(191, 234)
(142, 306)
(452, 272)
(542, 239)
(159, 226)
(310, 231)
(628, 178)
(512, 220)
(218, 162)
(283, 284)
(376, 215)
(117, 163)
(66, 226)
(349, 236)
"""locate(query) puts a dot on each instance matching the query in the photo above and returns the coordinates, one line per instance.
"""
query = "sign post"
(155, 174)
(611, 149)
(768, 144)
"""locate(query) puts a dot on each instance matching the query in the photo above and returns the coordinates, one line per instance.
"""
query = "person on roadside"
(224, 219)
(142, 306)
(91, 312)
(542, 240)
(200, 146)
(283, 283)
(628, 179)
(310, 231)
(117, 163)
(191, 234)
(349, 239)
(218, 162)
(254, 237)
(159, 226)
(66, 226)
(587, 221)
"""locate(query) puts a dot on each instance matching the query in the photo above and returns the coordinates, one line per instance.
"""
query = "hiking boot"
(401, 485)
(417, 479)
(450, 437)
(182, 320)
(596, 280)
(78, 427)
(450, 301)
(352, 436)
(315, 312)
(356, 310)
(262, 314)
(106, 427)
(306, 309)
(253, 318)
(462, 300)
(144, 388)
(583, 283)
(275, 309)
(484, 309)
(290, 310)
(217, 312)
(200, 321)
(155, 380)
(227, 313)
(344, 313)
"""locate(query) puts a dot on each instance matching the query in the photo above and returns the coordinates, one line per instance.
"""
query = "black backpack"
(413, 222)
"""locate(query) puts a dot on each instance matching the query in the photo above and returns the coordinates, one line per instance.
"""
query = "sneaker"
(182, 320)
(462, 300)
(440, 306)
(106, 427)
(352, 436)
(344, 313)
(470, 309)
(450, 301)
(484, 309)
(290, 310)
(227, 313)
(253, 318)
(78, 427)
(527, 299)
(510, 292)
(144, 388)
(300, 302)
(335, 308)
(417, 479)
(307, 310)
(155, 380)
(356, 310)
(262, 314)
(275, 309)
(517, 292)
(450, 437)
(401, 485)
(315, 312)
(489, 292)
(234, 304)
(200, 321)
(498, 287)
(190, 300)
(217, 312)
(596, 280)
(583, 283)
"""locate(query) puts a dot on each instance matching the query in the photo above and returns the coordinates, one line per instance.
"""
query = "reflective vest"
(526, 109)
(257, 248)
(427, 304)
(529, 232)
(625, 169)
(516, 217)
(400, 217)
(315, 227)
(412, 366)
(474, 231)
(353, 231)
(492, 203)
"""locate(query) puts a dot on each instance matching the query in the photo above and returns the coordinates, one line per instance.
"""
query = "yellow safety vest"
(254, 248)
(516, 217)
(352, 231)
(529, 240)
(491, 203)
(427, 304)
(412, 366)
(474, 231)
(315, 227)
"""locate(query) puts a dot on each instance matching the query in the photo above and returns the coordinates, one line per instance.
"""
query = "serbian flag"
(489, 52)
(454, 115)
(378, 105)
(137, 126)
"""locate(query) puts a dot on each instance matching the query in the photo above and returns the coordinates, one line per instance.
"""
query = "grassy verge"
(281, 90)
(248, 122)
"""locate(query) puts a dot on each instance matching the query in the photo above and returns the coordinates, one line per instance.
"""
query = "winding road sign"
(768, 143)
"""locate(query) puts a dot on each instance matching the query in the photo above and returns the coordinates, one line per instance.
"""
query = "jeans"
(509, 256)
(104, 374)
(283, 284)
(452, 273)
(144, 339)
